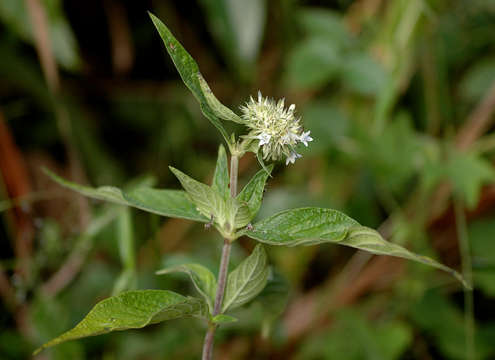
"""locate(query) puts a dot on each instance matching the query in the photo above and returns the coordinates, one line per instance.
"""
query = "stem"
(224, 267)
(467, 272)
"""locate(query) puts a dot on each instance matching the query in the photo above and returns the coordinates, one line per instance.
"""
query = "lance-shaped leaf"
(251, 196)
(221, 176)
(303, 226)
(247, 280)
(216, 106)
(189, 72)
(207, 200)
(370, 240)
(171, 203)
(132, 310)
(309, 226)
(203, 279)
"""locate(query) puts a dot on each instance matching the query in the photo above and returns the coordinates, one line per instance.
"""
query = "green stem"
(467, 272)
(224, 267)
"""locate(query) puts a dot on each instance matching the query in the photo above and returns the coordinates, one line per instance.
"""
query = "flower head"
(276, 128)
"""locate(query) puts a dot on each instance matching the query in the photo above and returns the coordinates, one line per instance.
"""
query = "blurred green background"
(399, 96)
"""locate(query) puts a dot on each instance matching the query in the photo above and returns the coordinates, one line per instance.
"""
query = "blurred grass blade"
(189, 72)
(237, 26)
(247, 280)
(14, 15)
(171, 203)
(259, 157)
(248, 21)
(203, 279)
(132, 310)
(125, 238)
(309, 226)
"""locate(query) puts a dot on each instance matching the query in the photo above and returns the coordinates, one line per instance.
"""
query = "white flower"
(276, 128)
(292, 158)
(264, 138)
(305, 138)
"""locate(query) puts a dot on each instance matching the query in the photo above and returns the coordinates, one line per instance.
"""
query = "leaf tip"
(221, 150)
(162, 272)
(53, 176)
(152, 16)
(462, 280)
(48, 172)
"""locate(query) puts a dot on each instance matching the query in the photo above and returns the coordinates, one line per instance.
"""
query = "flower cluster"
(276, 128)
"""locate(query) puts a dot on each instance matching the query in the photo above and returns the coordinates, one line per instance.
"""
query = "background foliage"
(399, 97)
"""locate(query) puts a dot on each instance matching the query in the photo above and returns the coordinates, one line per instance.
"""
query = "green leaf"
(251, 196)
(377, 339)
(223, 319)
(128, 278)
(303, 226)
(132, 310)
(312, 64)
(442, 321)
(362, 74)
(468, 172)
(16, 18)
(237, 28)
(310, 226)
(219, 109)
(189, 72)
(203, 279)
(221, 177)
(370, 240)
(478, 79)
(208, 201)
(247, 280)
(171, 203)
(247, 19)
(326, 24)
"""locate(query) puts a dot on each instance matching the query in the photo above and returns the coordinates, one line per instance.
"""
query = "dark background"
(399, 97)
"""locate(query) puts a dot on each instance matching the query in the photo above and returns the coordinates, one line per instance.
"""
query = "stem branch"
(224, 267)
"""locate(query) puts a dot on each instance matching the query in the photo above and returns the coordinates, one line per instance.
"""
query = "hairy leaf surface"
(189, 72)
(370, 240)
(221, 176)
(247, 280)
(207, 200)
(215, 105)
(132, 310)
(251, 196)
(203, 279)
(303, 226)
(310, 226)
(171, 203)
